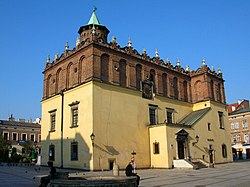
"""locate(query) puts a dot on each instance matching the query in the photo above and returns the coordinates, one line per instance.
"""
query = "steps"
(199, 165)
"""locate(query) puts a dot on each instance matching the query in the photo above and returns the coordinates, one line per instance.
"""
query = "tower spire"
(93, 19)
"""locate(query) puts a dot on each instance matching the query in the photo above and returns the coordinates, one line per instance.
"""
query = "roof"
(241, 111)
(19, 124)
(93, 19)
(194, 117)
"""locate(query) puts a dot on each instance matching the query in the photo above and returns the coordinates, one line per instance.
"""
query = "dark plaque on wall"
(147, 89)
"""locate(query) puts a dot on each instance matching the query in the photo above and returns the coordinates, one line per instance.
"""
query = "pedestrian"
(130, 171)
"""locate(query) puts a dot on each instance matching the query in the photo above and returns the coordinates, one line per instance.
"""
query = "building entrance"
(182, 137)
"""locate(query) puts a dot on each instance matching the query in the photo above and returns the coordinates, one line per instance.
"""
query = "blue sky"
(219, 30)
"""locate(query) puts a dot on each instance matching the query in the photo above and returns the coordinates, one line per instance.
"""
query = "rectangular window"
(232, 125)
(221, 122)
(6, 136)
(74, 113)
(238, 139)
(74, 151)
(14, 136)
(170, 115)
(51, 152)
(244, 123)
(152, 114)
(224, 151)
(246, 138)
(52, 121)
(236, 125)
(156, 148)
(32, 137)
(24, 136)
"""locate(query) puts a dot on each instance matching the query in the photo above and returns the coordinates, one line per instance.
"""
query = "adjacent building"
(18, 132)
(239, 118)
(103, 104)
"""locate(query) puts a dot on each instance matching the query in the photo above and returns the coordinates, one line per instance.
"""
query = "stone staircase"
(199, 165)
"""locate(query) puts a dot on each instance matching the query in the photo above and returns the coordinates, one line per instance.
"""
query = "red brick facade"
(95, 59)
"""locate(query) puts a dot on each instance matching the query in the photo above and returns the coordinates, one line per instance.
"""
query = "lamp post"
(92, 137)
(197, 138)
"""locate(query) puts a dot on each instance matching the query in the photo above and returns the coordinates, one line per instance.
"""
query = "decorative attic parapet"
(205, 69)
(133, 52)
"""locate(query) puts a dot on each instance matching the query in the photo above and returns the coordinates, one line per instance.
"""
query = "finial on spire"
(213, 70)
(156, 53)
(219, 71)
(77, 41)
(67, 46)
(48, 59)
(178, 63)
(168, 61)
(203, 61)
(94, 9)
(56, 56)
(129, 42)
(113, 40)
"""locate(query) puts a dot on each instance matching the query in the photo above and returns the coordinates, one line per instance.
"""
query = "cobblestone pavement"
(235, 174)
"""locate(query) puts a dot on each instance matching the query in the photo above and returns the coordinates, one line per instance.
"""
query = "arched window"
(122, 71)
(224, 150)
(175, 85)
(198, 95)
(152, 79)
(105, 68)
(138, 76)
(58, 82)
(69, 76)
(219, 92)
(185, 88)
(81, 71)
(164, 84)
(48, 85)
(212, 89)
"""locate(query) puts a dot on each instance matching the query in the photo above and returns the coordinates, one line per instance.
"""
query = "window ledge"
(74, 126)
(52, 131)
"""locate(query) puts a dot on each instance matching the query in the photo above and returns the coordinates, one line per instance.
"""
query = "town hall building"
(103, 104)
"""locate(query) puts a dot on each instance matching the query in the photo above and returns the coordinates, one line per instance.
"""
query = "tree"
(5, 146)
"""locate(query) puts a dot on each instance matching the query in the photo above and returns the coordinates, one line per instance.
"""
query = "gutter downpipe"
(62, 108)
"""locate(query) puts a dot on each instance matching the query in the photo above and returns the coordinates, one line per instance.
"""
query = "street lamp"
(92, 137)
(197, 138)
